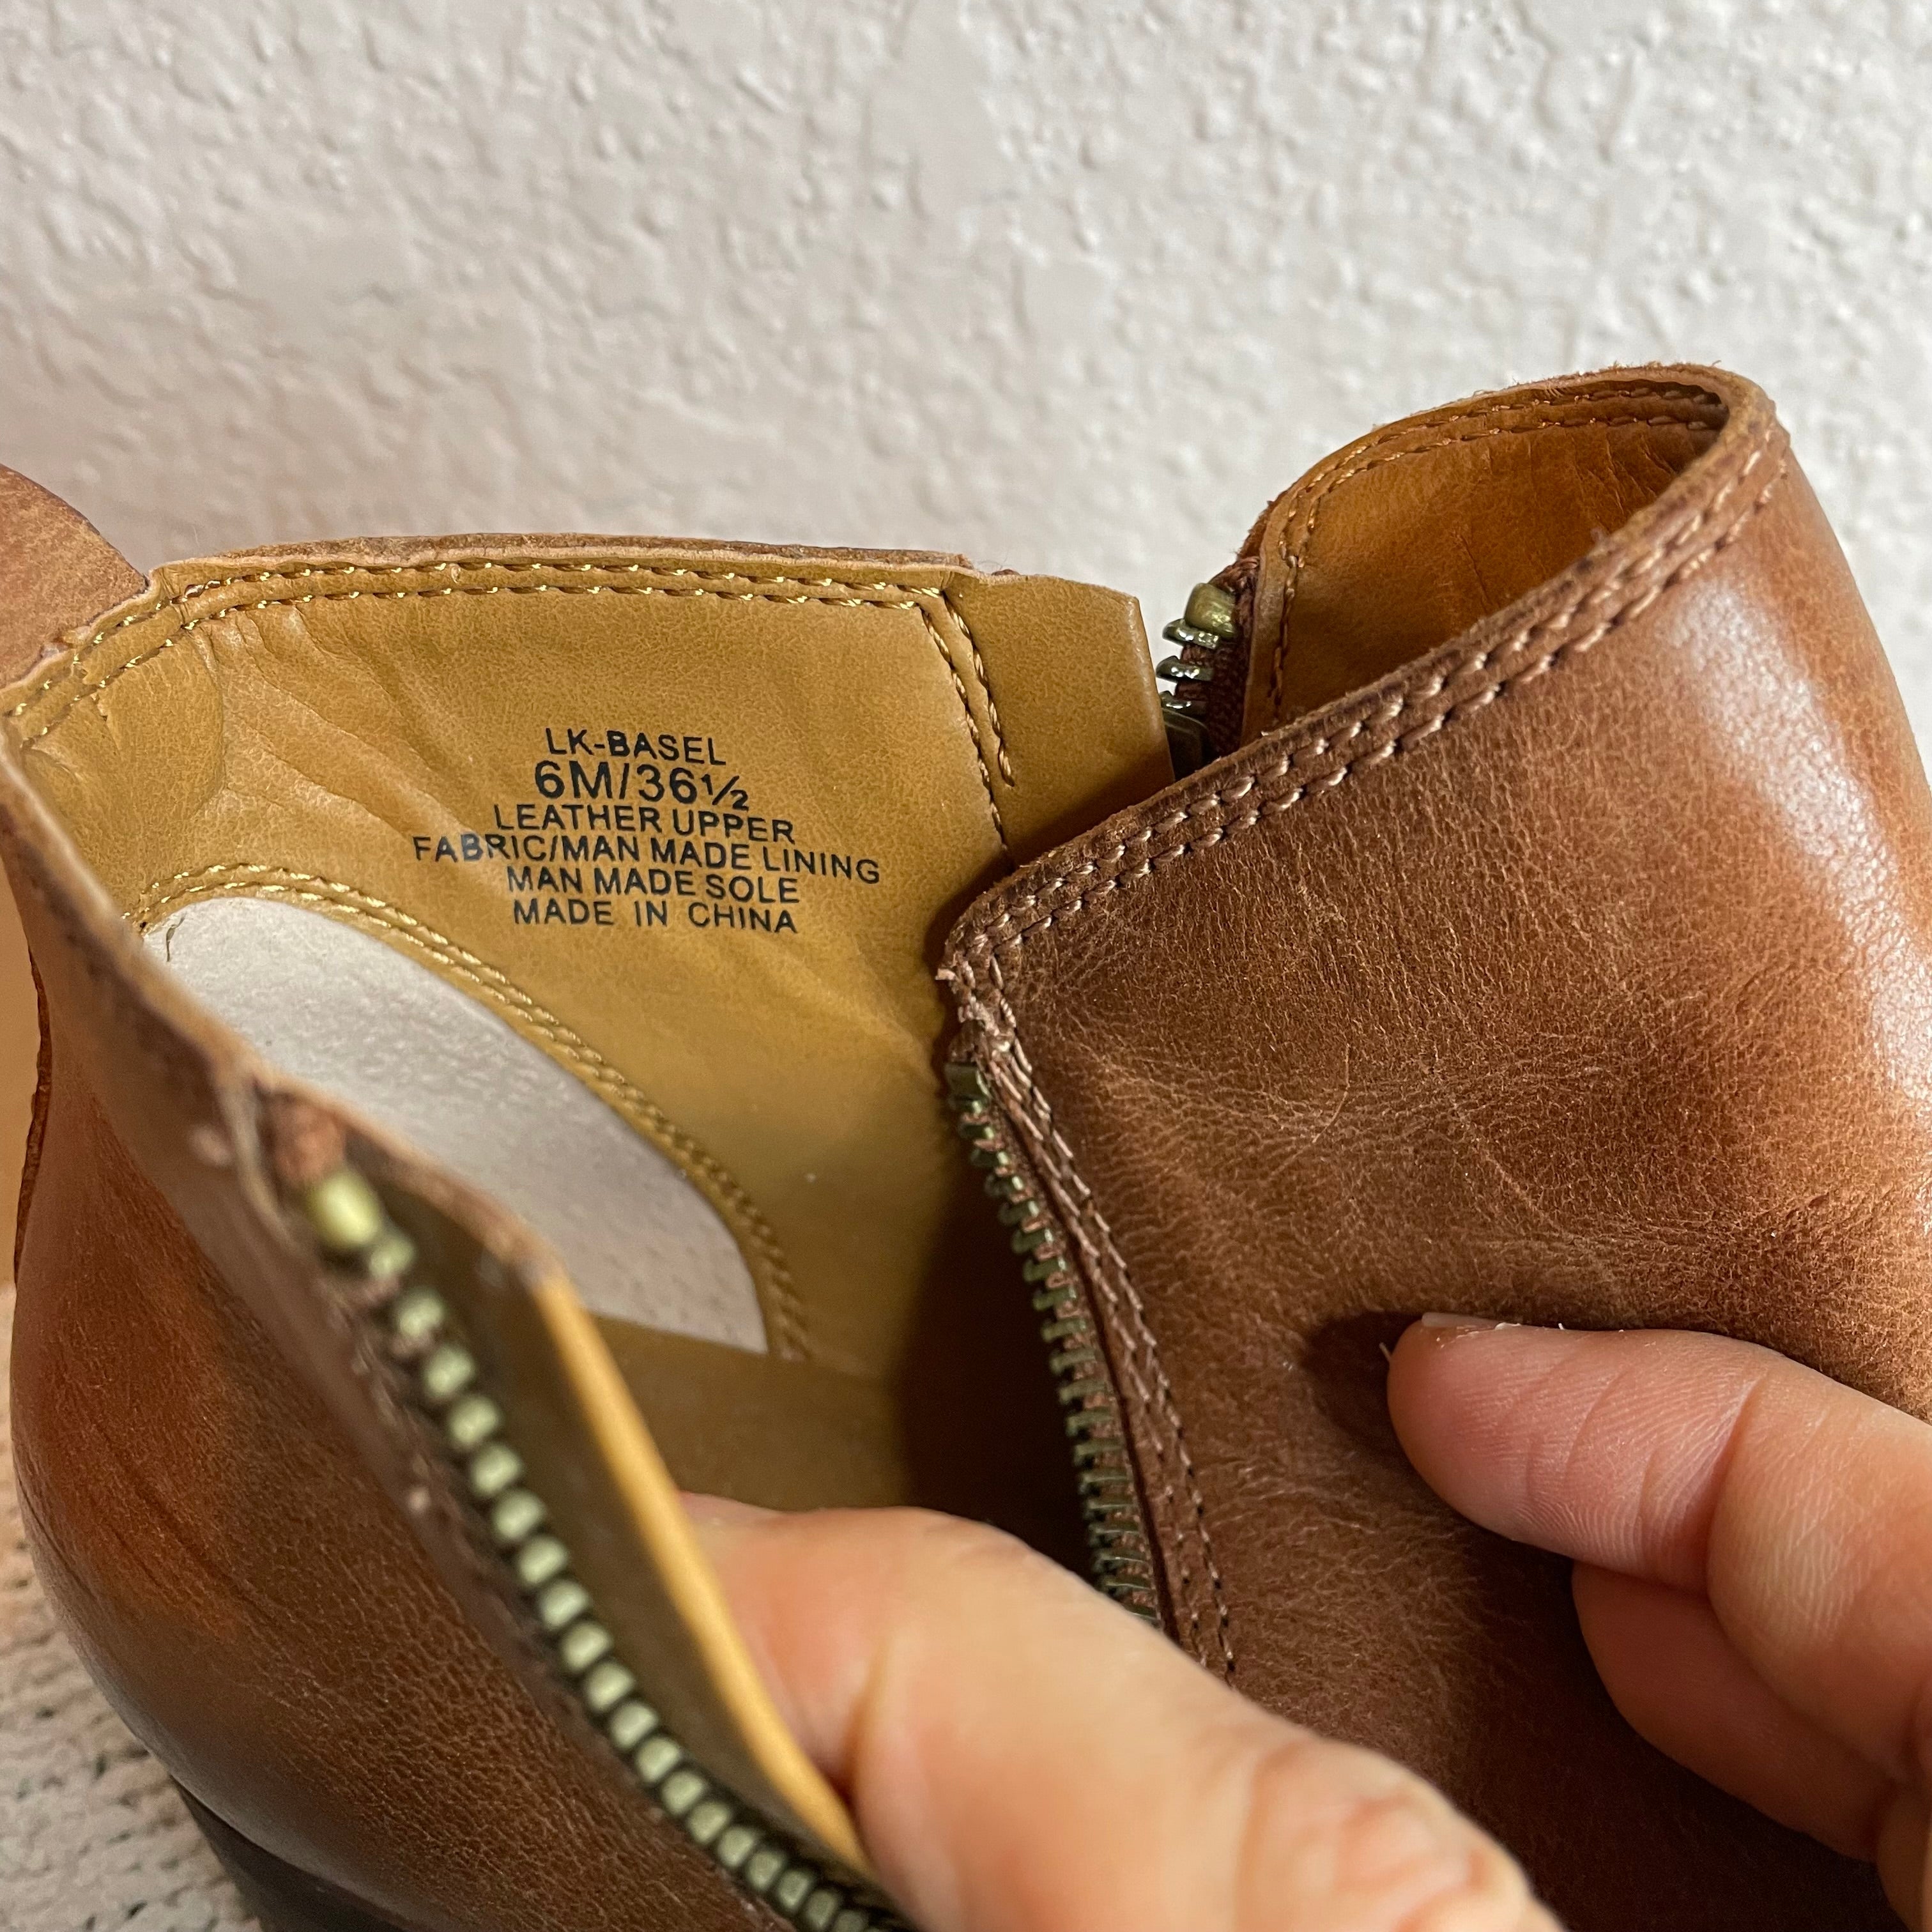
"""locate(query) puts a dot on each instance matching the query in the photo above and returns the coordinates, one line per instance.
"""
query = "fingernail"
(708, 1512)
(1446, 1328)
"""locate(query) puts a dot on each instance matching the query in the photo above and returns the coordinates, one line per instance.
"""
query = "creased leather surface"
(56, 570)
(1579, 971)
(263, 1619)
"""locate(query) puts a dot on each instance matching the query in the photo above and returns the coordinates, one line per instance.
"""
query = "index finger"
(1802, 1509)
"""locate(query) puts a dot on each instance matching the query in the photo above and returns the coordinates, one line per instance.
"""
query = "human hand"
(1753, 1547)
(1752, 1579)
(1024, 1756)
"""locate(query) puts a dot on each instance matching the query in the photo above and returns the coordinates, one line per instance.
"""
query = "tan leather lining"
(783, 1434)
(855, 707)
(344, 726)
(1415, 533)
(640, 1483)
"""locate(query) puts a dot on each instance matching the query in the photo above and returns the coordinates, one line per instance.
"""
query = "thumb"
(1023, 1755)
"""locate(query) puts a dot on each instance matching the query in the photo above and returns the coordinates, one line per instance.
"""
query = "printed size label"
(648, 830)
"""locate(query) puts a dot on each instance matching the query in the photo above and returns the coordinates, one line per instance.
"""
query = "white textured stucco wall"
(1061, 283)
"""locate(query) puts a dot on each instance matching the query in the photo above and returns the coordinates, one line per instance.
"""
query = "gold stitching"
(958, 616)
(499, 990)
(73, 667)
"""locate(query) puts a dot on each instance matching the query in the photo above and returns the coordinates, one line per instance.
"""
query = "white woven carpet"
(92, 1837)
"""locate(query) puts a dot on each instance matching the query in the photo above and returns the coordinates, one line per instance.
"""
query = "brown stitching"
(73, 668)
(1491, 405)
(1081, 1209)
(1429, 723)
(1370, 459)
(509, 1001)
(1113, 1280)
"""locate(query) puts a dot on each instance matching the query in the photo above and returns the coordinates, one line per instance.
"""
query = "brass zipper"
(1119, 1556)
(1120, 1551)
(1208, 623)
(419, 1335)
(441, 1378)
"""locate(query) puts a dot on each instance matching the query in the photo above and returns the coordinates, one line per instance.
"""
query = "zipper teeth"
(1120, 1558)
(423, 1341)
(1208, 623)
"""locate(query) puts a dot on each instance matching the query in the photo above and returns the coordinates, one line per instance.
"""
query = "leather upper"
(1577, 969)
(1556, 947)
(221, 1480)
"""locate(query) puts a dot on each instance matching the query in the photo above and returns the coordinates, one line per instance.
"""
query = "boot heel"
(282, 1898)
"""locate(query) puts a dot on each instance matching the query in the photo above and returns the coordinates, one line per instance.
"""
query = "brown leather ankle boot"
(497, 1076)
(391, 901)
(1552, 942)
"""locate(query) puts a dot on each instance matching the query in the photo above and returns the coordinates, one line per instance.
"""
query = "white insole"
(340, 1009)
